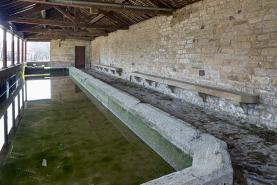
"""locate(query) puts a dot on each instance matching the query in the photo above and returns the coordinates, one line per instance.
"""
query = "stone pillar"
(4, 48)
(12, 57)
(18, 51)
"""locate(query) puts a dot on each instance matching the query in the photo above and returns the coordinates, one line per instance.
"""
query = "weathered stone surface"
(233, 41)
(218, 124)
(211, 161)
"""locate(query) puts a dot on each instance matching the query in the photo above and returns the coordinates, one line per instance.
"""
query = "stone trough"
(174, 140)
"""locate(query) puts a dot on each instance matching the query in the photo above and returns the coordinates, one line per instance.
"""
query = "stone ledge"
(236, 96)
(211, 161)
(107, 68)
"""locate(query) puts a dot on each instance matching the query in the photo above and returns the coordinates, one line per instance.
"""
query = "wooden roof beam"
(108, 6)
(62, 32)
(51, 37)
(65, 13)
(62, 23)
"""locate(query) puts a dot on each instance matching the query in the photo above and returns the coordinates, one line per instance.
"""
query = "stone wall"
(233, 41)
(62, 52)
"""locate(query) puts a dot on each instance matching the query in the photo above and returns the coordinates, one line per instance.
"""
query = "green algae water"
(65, 139)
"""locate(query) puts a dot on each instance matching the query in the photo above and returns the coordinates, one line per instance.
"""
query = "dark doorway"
(80, 57)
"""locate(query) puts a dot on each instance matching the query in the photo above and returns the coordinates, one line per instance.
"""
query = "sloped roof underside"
(52, 19)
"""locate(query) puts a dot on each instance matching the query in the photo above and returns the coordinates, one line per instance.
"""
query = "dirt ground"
(253, 150)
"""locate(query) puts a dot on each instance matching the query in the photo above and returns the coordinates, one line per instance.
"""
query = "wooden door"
(80, 56)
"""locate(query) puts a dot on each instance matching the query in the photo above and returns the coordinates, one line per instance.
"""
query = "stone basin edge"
(211, 161)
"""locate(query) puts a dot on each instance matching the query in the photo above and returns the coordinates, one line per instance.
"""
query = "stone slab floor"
(253, 150)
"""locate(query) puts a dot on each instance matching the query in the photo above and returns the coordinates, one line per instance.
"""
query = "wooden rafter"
(62, 23)
(111, 16)
(138, 10)
(65, 13)
(62, 32)
(50, 37)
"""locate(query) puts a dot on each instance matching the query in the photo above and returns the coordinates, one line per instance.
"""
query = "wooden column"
(6, 128)
(25, 88)
(12, 57)
(18, 51)
(22, 53)
(13, 113)
(25, 51)
(18, 105)
(4, 48)
(22, 91)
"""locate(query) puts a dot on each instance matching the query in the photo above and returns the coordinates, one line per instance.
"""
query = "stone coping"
(117, 69)
(236, 96)
(211, 161)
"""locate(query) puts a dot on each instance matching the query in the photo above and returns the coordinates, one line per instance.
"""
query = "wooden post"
(13, 113)
(6, 128)
(22, 53)
(18, 103)
(4, 48)
(22, 96)
(18, 51)
(12, 57)
(25, 91)
(25, 51)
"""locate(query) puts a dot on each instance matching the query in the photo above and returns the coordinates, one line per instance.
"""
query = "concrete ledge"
(39, 63)
(235, 96)
(211, 161)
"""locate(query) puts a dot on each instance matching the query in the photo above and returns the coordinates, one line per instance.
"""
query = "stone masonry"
(232, 42)
(63, 52)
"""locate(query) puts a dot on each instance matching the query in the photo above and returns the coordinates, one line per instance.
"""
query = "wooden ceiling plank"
(25, 8)
(111, 16)
(176, 2)
(62, 23)
(160, 4)
(16, 8)
(9, 3)
(37, 8)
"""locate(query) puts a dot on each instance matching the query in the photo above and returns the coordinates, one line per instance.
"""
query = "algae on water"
(79, 144)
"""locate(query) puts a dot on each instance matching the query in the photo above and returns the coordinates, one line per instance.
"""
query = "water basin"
(80, 141)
